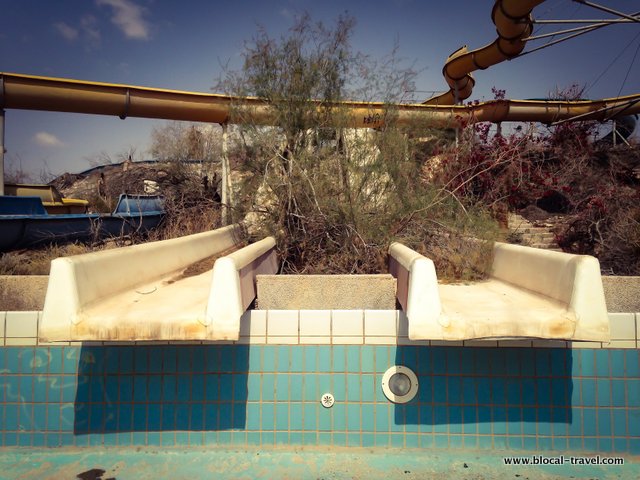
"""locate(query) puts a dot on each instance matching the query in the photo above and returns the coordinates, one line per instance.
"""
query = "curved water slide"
(512, 19)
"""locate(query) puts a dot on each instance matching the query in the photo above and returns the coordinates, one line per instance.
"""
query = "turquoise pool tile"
(310, 358)
(198, 388)
(484, 390)
(295, 438)
(140, 360)
(574, 426)
(469, 415)
(290, 359)
(382, 417)
(372, 388)
(575, 444)
(253, 416)
(589, 422)
(196, 439)
(282, 416)
(543, 391)
(409, 357)
(441, 441)
(211, 387)
(253, 387)
(52, 440)
(602, 363)
(632, 363)
(139, 389)
(310, 388)
(225, 385)
(543, 362)
(439, 389)
(281, 438)
(455, 420)
(197, 416)
(295, 416)
(634, 446)
(239, 387)
(11, 387)
(498, 391)
(604, 422)
(255, 358)
(310, 438)
(527, 362)
(590, 444)
(10, 439)
(339, 439)
(381, 439)
(634, 422)
(587, 363)
(324, 383)
(499, 420)
(238, 437)
(300, 355)
(353, 358)
(367, 358)
(485, 442)
(369, 440)
(453, 360)
(184, 388)
(324, 359)
(439, 419)
(515, 442)
(467, 361)
(424, 355)
(294, 384)
(497, 361)
(605, 444)
(43, 359)
(26, 388)
(620, 445)
(560, 359)
(559, 393)
(616, 361)
(269, 387)
(155, 360)
(368, 417)
(324, 439)
(11, 417)
(39, 416)
(268, 416)
(396, 440)
(528, 388)
(169, 389)
(13, 359)
(353, 417)
(70, 360)
(589, 397)
(340, 387)
(512, 387)
(169, 359)
(310, 418)
(227, 358)
(469, 391)
(325, 419)
(282, 387)
(425, 413)
(254, 438)
(410, 416)
(154, 385)
(199, 358)
(140, 417)
(267, 438)
(500, 442)
(617, 393)
(633, 393)
(339, 358)
(382, 359)
(425, 389)
(354, 393)
(269, 358)
(512, 357)
(603, 386)
(339, 413)
(40, 387)
(38, 439)
(619, 423)
(354, 440)
(454, 394)
(484, 419)
(181, 439)
(224, 437)
(225, 416)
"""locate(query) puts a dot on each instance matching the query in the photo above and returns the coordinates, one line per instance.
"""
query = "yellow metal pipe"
(65, 95)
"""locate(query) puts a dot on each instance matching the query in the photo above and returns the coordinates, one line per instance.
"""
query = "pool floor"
(281, 463)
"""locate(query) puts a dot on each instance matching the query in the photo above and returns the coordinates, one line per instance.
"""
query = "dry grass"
(38, 261)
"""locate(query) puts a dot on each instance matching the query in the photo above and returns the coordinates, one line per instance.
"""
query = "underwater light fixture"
(399, 384)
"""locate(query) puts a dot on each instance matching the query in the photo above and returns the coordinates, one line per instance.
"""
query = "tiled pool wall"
(266, 390)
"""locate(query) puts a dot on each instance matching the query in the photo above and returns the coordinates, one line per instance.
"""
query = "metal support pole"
(225, 197)
(614, 133)
(1, 152)
(456, 99)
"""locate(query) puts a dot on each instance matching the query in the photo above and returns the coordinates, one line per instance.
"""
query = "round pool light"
(399, 384)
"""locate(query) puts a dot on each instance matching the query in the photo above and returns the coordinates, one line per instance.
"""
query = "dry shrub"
(38, 261)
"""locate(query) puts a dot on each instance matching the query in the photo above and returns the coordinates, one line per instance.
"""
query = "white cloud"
(127, 16)
(90, 29)
(66, 31)
(45, 139)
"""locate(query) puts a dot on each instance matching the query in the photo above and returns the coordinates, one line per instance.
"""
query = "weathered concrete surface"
(622, 293)
(22, 292)
(326, 292)
(289, 463)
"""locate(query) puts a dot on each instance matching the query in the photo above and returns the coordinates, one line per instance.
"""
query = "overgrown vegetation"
(335, 197)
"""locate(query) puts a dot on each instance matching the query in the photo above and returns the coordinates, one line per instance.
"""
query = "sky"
(187, 45)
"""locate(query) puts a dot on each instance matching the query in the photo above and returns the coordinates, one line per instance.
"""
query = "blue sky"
(184, 45)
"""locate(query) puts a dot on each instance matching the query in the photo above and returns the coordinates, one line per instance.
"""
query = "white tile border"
(324, 327)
